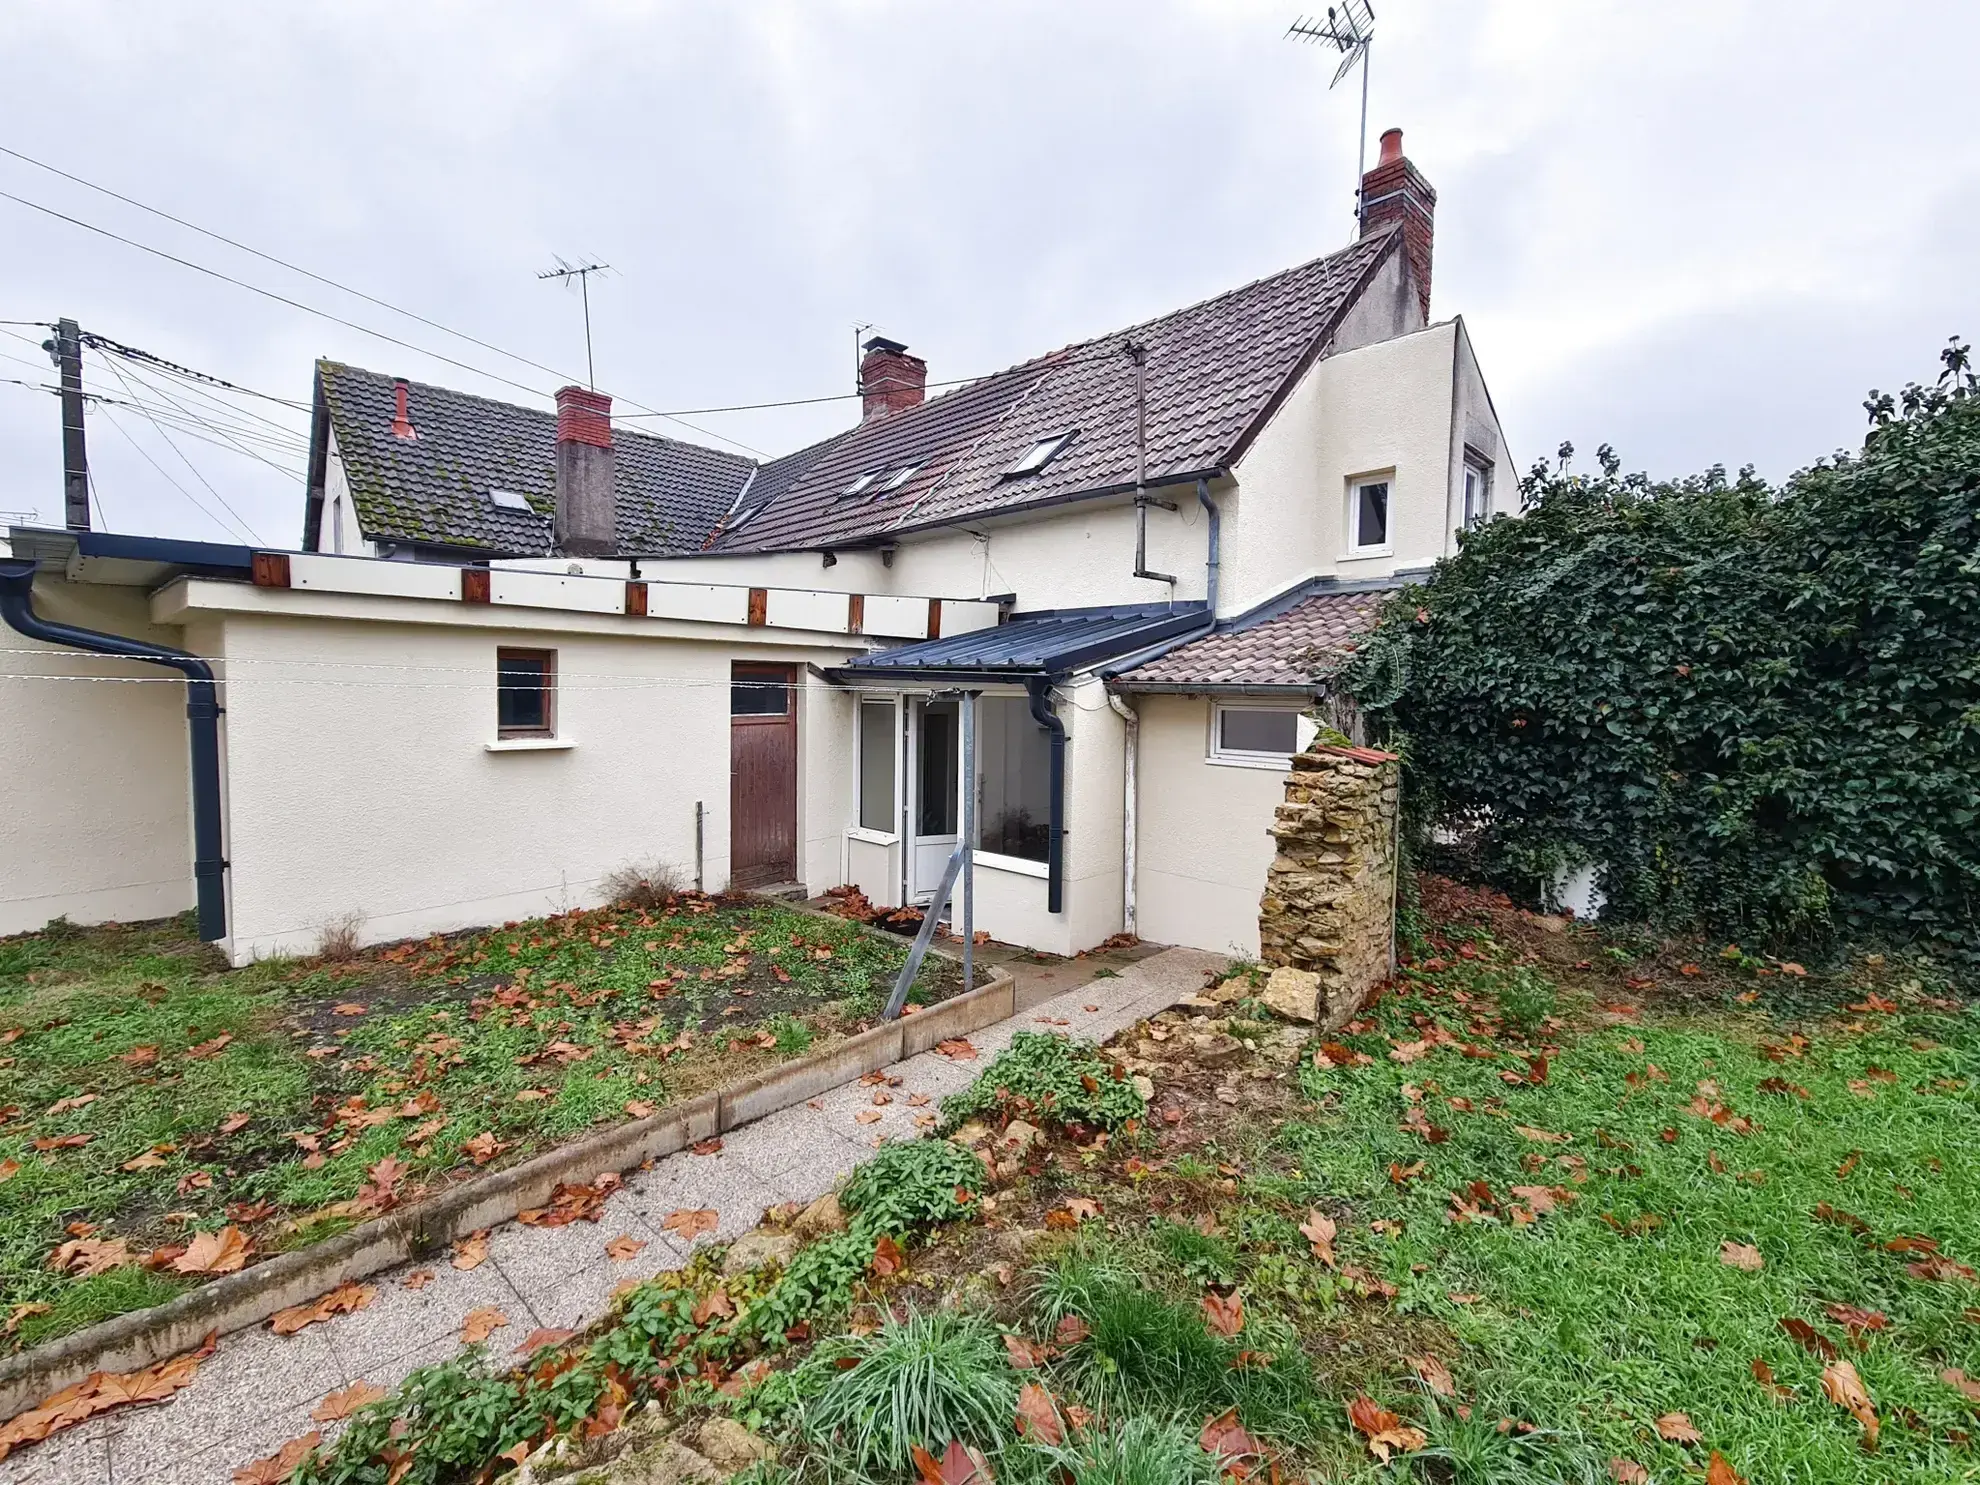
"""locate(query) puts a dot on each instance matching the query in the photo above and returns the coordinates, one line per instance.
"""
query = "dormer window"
(1040, 454)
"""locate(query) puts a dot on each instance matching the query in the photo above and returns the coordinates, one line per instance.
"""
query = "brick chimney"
(587, 510)
(1395, 191)
(890, 380)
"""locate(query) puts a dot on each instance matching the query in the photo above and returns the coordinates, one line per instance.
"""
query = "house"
(519, 649)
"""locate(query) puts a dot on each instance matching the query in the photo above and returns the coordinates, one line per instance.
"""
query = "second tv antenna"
(582, 272)
(1351, 31)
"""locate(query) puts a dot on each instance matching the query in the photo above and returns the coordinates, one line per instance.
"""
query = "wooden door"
(762, 775)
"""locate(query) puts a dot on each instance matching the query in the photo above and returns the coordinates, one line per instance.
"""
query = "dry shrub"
(649, 884)
(339, 942)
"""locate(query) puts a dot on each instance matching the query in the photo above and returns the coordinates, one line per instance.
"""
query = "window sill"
(1273, 762)
(529, 745)
(1364, 554)
(872, 837)
(1016, 865)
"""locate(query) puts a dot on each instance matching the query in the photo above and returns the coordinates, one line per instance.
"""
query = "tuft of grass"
(1139, 1450)
(1526, 998)
(925, 1380)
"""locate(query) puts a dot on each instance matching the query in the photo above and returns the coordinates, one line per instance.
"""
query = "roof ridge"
(538, 412)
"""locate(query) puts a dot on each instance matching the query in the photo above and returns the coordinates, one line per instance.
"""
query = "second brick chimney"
(587, 510)
(1395, 191)
(890, 380)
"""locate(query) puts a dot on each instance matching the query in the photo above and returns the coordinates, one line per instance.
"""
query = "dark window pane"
(1372, 514)
(521, 692)
(1247, 731)
(1014, 758)
(935, 809)
(760, 696)
(876, 766)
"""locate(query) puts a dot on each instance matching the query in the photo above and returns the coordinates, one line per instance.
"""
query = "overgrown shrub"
(1756, 710)
(1047, 1078)
(912, 1185)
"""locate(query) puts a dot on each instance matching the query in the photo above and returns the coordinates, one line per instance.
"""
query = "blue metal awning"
(1051, 642)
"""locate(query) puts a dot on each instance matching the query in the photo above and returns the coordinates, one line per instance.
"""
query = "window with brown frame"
(525, 693)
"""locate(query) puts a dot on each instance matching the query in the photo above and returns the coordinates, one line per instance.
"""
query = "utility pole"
(66, 348)
(582, 272)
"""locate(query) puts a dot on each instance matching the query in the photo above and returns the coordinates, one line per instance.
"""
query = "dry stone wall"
(1327, 919)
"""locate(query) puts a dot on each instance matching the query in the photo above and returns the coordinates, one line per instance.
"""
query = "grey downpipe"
(1039, 689)
(1216, 557)
(1212, 562)
(1138, 354)
(202, 723)
(1130, 788)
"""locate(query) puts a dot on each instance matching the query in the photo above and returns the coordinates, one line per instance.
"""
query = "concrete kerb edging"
(236, 1301)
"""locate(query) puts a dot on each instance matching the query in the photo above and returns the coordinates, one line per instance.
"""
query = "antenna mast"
(581, 271)
(1351, 31)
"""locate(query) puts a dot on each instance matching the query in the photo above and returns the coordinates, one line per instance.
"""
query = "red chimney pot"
(1391, 147)
(401, 424)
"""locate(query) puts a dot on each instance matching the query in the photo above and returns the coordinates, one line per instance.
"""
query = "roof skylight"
(898, 478)
(859, 486)
(1040, 454)
(509, 500)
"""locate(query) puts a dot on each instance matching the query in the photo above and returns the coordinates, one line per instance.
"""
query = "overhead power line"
(322, 279)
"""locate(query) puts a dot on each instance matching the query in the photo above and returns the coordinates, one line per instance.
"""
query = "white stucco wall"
(1204, 850)
(97, 823)
(1382, 408)
(360, 781)
(1475, 426)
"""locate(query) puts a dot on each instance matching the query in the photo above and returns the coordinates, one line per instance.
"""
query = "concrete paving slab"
(688, 1182)
(80, 1456)
(402, 1319)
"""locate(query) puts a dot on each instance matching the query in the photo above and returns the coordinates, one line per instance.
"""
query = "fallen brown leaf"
(471, 1251)
(479, 1324)
(1436, 1376)
(278, 1466)
(1741, 1256)
(691, 1223)
(623, 1247)
(1037, 1418)
(347, 1298)
(1320, 1230)
(343, 1404)
(1386, 1432)
(418, 1279)
(1628, 1472)
(1845, 1389)
(1224, 1313)
(537, 1339)
(1676, 1428)
(887, 1256)
(1721, 1472)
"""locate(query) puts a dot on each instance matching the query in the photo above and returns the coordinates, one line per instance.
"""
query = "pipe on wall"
(1130, 826)
(1039, 689)
(202, 726)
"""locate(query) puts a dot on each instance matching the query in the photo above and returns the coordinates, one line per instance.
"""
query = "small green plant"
(1201, 1258)
(1049, 1078)
(1526, 998)
(922, 1380)
(793, 1036)
(913, 1185)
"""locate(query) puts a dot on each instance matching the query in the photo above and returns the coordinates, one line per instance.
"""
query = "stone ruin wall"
(1328, 916)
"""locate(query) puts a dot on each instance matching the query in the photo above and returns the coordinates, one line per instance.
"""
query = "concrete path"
(258, 1389)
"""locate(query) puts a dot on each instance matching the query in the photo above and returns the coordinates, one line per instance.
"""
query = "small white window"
(859, 486)
(898, 478)
(1258, 736)
(508, 500)
(1040, 454)
(1368, 516)
(1477, 491)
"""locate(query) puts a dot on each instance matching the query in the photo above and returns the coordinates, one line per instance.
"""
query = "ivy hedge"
(1755, 710)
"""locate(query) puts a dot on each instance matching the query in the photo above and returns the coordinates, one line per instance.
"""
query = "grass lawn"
(1560, 1207)
(148, 1093)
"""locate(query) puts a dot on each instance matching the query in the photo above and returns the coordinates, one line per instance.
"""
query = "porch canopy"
(1035, 651)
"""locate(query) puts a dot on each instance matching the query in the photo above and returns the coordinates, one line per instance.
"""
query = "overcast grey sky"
(1699, 229)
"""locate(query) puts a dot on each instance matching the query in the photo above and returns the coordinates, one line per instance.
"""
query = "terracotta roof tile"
(1269, 651)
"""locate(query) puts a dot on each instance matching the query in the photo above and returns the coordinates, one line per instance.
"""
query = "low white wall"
(1203, 847)
(96, 825)
(360, 781)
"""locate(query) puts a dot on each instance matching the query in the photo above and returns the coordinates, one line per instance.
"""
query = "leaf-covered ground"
(164, 1117)
(1559, 1207)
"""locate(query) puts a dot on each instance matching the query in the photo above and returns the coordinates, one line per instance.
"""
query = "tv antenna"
(1351, 31)
(581, 271)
